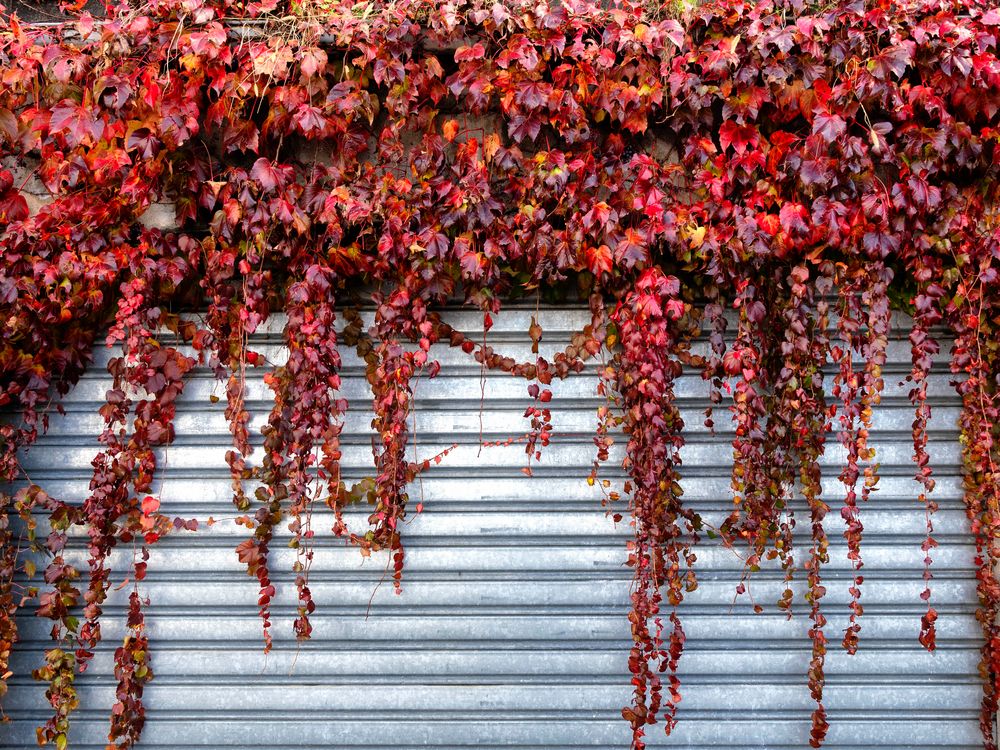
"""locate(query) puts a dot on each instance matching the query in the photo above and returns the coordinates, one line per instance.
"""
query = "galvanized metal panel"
(511, 628)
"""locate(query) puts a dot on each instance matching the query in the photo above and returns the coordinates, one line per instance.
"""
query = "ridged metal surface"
(511, 628)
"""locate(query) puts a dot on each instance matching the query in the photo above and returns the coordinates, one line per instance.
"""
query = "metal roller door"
(511, 629)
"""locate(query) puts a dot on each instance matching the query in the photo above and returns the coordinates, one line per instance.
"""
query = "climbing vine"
(794, 169)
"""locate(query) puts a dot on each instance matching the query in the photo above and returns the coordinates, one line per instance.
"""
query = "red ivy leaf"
(76, 123)
(310, 120)
(673, 30)
(269, 176)
(599, 259)
(740, 137)
(893, 61)
(597, 216)
(632, 249)
(313, 61)
(13, 207)
(436, 244)
(829, 126)
(142, 141)
(467, 54)
(794, 219)
(473, 264)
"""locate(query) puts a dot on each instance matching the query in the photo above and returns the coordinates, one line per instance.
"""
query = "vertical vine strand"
(650, 326)
(923, 347)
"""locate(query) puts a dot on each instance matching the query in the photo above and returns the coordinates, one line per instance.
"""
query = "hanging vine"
(862, 288)
(651, 326)
(784, 168)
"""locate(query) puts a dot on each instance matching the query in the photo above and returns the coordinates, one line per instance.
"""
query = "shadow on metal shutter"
(511, 628)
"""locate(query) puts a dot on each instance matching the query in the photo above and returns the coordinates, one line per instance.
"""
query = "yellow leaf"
(191, 62)
(491, 144)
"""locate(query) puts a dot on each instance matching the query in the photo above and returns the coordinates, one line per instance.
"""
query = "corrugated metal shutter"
(511, 628)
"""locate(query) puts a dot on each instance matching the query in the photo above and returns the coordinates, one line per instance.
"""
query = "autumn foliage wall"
(804, 166)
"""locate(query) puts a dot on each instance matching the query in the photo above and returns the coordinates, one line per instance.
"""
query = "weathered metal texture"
(511, 629)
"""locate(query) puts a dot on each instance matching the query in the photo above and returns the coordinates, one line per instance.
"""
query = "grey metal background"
(511, 628)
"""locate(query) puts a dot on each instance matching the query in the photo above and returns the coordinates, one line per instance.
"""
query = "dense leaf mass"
(797, 168)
